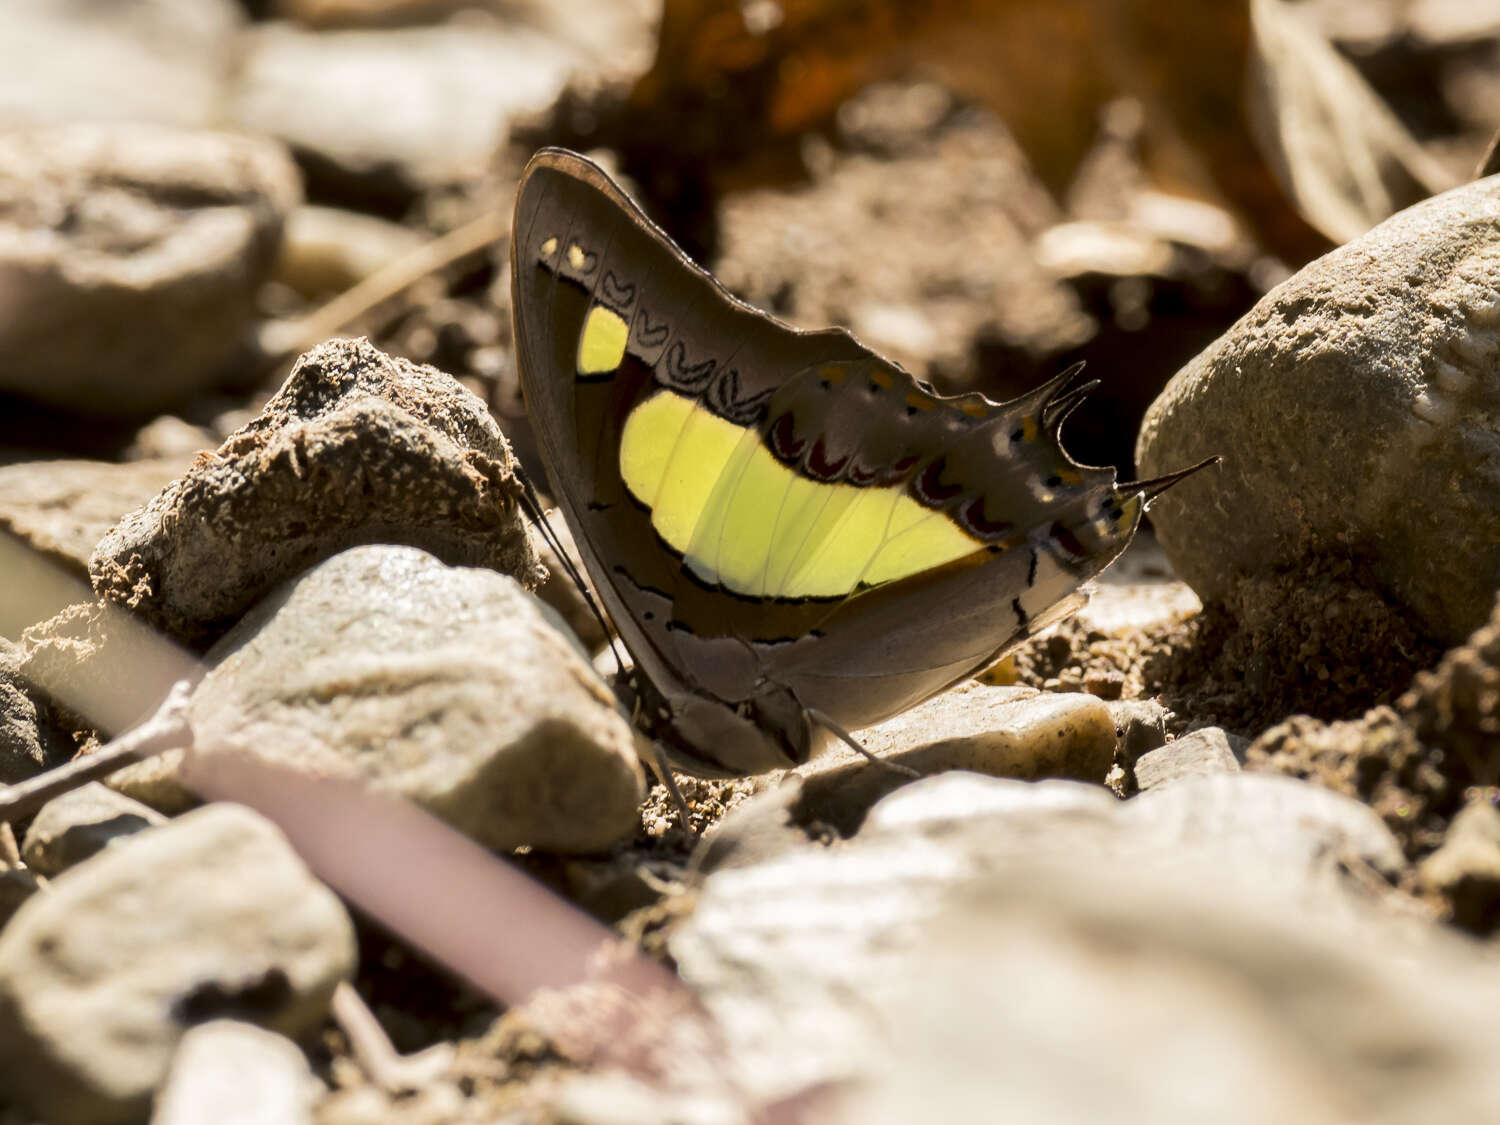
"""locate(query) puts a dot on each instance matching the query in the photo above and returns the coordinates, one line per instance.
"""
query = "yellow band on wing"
(745, 521)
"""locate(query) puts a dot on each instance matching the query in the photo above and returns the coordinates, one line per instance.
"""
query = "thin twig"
(167, 729)
(377, 1056)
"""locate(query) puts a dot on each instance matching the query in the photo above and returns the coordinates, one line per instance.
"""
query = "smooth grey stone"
(1354, 408)
(210, 915)
(325, 250)
(1265, 827)
(1200, 752)
(1067, 991)
(1000, 731)
(448, 686)
(375, 108)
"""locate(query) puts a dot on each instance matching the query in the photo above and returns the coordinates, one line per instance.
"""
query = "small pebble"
(1202, 752)
(231, 1073)
(1142, 726)
(1107, 685)
(70, 828)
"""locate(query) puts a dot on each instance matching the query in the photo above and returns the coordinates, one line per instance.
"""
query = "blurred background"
(984, 190)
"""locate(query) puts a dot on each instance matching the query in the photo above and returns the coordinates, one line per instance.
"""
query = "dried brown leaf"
(1340, 153)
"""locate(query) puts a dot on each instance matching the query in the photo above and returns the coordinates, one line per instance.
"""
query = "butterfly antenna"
(532, 503)
(1155, 486)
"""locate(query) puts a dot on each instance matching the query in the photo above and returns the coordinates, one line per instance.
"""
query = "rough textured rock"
(1141, 725)
(1214, 898)
(445, 685)
(30, 739)
(356, 447)
(1198, 754)
(63, 508)
(149, 60)
(1355, 411)
(1000, 731)
(235, 1073)
(1455, 708)
(71, 828)
(211, 915)
(1466, 869)
(130, 256)
(1377, 759)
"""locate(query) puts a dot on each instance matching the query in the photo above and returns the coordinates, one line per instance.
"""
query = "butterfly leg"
(826, 721)
(664, 771)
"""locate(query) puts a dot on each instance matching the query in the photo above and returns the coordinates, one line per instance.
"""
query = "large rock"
(445, 685)
(1355, 409)
(1071, 955)
(356, 447)
(130, 257)
(1073, 996)
(212, 915)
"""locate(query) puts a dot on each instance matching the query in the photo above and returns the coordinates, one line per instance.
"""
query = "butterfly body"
(791, 533)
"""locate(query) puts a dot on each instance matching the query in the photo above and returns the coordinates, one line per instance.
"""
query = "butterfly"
(794, 537)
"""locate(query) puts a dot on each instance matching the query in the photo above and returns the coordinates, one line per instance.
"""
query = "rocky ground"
(1225, 845)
